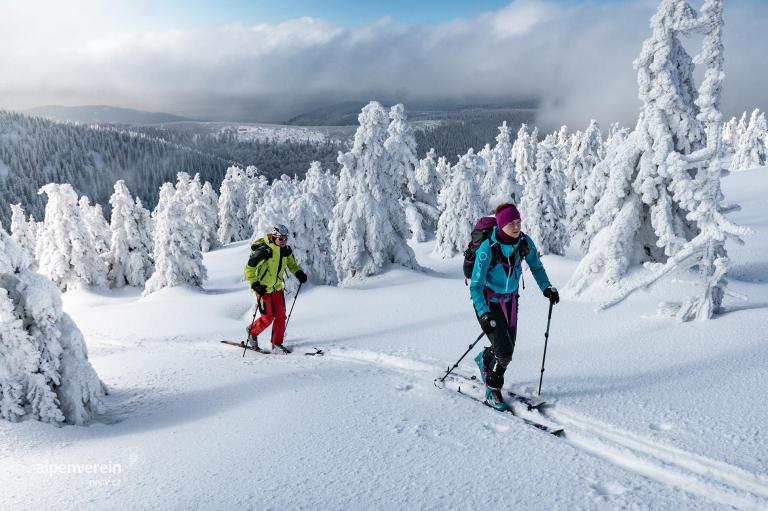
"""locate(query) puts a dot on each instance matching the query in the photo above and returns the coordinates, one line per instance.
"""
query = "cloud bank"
(577, 58)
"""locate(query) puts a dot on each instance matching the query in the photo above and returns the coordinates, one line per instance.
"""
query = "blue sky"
(171, 14)
(279, 57)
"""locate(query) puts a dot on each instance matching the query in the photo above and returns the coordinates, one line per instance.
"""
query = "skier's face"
(281, 241)
(512, 228)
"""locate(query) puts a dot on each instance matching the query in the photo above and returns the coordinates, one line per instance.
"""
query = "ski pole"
(546, 339)
(248, 338)
(462, 358)
(294, 303)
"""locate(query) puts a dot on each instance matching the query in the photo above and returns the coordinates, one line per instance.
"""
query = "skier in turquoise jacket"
(494, 290)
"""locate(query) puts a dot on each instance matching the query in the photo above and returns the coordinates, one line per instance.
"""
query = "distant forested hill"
(36, 151)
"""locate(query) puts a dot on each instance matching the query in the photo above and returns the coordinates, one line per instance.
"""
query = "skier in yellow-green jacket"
(269, 258)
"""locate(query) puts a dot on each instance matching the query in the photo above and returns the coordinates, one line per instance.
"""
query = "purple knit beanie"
(507, 215)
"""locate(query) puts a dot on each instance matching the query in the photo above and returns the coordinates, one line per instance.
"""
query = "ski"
(552, 430)
(531, 402)
(283, 350)
(242, 345)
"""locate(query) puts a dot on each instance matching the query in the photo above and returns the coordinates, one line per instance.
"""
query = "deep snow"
(658, 414)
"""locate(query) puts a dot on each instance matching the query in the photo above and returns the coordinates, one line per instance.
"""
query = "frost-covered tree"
(201, 213)
(524, 154)
(165, 196)
(597, 181)
(258, 188)
(638, 219)
(696, 185)
(584, 156)
(428, 177)
(97, 226)
(731, 135)
(752, 147)
(310, 216)
(45, 374)
(420, 211)
(177, 255)
(463, 206)
(276, 205)
(369, 229)
(233, 215)
(130, 255)
(543, 204)
(500, 182)
(64, 246)
(23, 233)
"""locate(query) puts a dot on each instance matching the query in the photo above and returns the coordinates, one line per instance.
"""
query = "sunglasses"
(281, 237)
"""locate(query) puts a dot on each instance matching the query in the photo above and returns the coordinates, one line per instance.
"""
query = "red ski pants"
(272, 313)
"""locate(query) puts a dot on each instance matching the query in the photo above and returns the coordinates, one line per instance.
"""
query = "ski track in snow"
(710, 479)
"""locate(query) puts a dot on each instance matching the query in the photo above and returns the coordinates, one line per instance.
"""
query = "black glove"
(552, 294)
(487, 323)
(258, 288)
(301, 276)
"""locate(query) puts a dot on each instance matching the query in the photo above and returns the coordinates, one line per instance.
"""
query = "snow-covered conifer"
(130, 256)
(543, 205)
(45, 374)
(369, 229)
(420, 212)
(463, 206)
(500, 183)
(586, 154)
(524, 154)
(65, 250)
(23, 233)
(97, 226)
(258, 188)
(177, 255)
(309, 216)
(233, 221)
(752, 148)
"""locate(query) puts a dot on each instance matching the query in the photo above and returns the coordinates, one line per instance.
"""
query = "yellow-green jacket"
(267, 263)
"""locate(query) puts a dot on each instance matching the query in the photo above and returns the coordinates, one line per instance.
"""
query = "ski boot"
(494, 399)
(279, 348)
(480, 361)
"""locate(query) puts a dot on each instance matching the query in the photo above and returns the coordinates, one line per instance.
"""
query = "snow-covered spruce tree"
(369, 230)
(145, 246)
(585, 154)
(597, 181)
(310, 216)
(500, 182)
(524, 154)
(201, 214)
(211, 199)
(258, 188)
(731, 135)
(65, 250)
(637, 219)
(701, 194)
(752, 147)
(165, 196)
(23, 233)
(130, 255)
(45, 374)
(97, 226)
(420, 213)
(463, 206)
(276, 205)
(233, 221)
(543, 204)
(177, 255)
(428, 178)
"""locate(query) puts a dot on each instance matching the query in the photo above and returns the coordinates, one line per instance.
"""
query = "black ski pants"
(498, 355)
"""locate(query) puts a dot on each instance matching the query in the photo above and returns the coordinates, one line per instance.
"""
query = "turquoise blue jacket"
(496, 279)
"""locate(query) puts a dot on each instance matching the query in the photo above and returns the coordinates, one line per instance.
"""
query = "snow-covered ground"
(657, 414)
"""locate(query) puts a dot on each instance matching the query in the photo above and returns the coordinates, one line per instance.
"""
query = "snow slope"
(658, 415)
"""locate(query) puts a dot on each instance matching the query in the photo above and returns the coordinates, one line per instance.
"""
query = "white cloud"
(578, 59)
